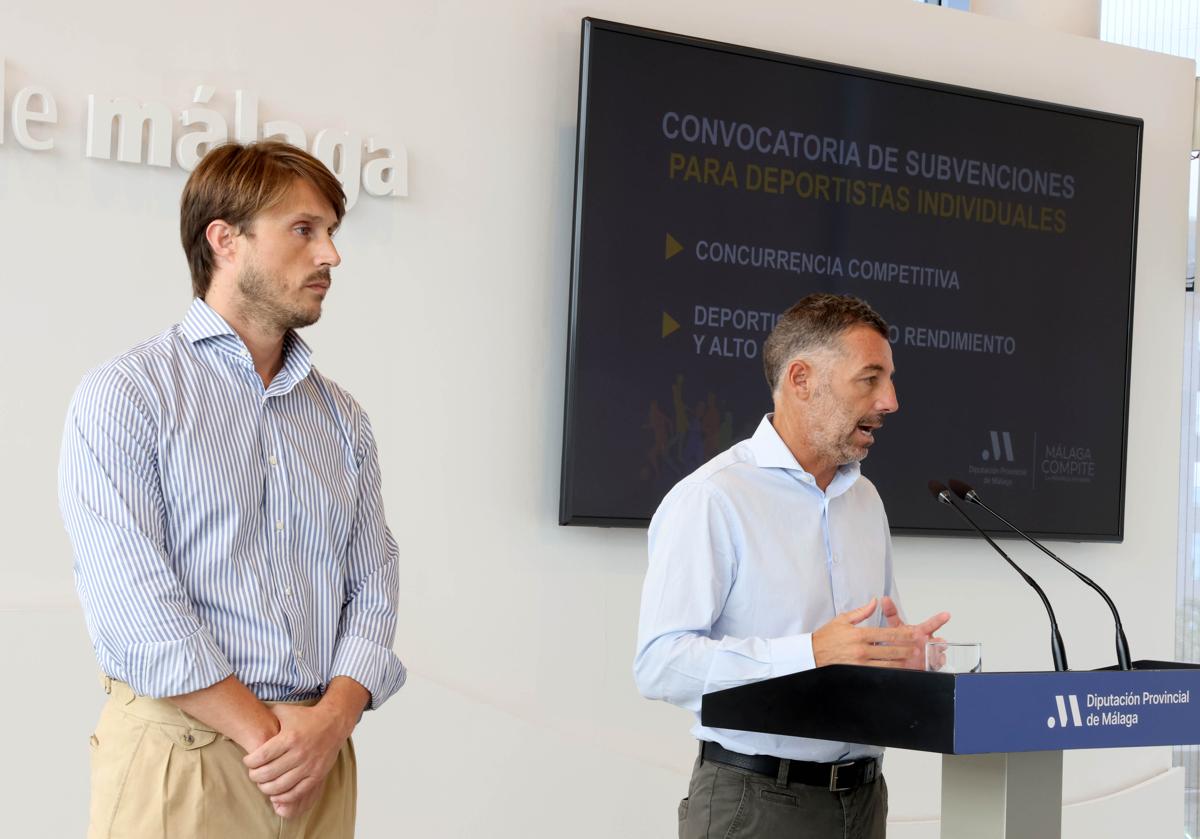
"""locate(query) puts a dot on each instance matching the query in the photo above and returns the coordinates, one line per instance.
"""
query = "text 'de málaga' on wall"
(128, 130)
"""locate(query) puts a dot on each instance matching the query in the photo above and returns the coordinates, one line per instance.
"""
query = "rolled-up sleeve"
(142, 623)
(367, 628)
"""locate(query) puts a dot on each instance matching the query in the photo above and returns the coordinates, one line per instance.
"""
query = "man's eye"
(303, 229)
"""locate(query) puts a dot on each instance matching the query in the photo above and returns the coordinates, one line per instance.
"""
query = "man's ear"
(799, 378)
(223, 239)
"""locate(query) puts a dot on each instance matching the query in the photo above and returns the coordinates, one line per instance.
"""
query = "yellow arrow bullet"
(673, 246)
(669, 324)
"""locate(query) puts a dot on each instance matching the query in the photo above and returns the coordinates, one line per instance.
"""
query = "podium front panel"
(1026, 712)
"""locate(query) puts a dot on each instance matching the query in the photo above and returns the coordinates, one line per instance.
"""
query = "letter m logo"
(997, 453)
(1061, 702)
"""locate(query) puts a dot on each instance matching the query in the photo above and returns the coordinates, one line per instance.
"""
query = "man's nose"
(887, 403)
(329, 255)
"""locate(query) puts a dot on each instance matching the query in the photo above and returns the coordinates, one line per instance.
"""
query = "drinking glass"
(953, 657)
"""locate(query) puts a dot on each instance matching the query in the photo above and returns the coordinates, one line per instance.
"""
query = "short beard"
(259, 302)
(830, 443)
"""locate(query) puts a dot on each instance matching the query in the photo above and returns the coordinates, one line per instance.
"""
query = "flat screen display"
(716, 185)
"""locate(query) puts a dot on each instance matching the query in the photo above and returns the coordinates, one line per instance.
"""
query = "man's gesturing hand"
(291, 767)
(924, 630)
(842, 641)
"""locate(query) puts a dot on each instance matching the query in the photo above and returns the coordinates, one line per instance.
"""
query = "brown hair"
(235, 183)
(816, 322)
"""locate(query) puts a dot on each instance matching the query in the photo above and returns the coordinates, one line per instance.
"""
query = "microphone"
(968, 494)
(1057, 651)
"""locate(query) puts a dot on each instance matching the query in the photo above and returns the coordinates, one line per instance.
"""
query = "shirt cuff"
(791, 654)
(160, 669)
(373, 666)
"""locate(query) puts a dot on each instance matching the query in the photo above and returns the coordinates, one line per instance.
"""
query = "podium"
(1001, 735)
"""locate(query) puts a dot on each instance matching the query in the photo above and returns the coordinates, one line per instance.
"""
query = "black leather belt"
(836, 777)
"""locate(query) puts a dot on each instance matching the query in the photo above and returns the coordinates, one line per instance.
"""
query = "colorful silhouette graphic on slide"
(682, 441)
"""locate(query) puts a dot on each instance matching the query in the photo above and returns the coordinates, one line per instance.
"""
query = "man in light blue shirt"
(222, 496)
(775, 557)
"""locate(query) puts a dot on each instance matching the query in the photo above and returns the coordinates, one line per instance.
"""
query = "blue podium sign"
(1024, 712)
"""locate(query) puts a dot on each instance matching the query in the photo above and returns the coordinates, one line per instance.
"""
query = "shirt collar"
(297, 356)
(203, 323)
(770, 452)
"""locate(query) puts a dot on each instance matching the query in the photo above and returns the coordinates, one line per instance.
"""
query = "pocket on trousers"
(146, 774)
(728, 805)
(114, 746)
(784, 799)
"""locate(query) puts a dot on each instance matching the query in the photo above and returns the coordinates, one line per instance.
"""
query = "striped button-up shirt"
(220, 527)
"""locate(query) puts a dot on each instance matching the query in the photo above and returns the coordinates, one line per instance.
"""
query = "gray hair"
(814, 324)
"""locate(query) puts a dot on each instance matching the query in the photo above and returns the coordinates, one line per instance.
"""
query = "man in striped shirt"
(237, 575)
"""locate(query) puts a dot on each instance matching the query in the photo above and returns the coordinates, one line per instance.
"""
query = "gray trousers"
(725, 802)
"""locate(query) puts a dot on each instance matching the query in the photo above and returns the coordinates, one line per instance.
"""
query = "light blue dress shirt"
(220, 527)
(747, 557)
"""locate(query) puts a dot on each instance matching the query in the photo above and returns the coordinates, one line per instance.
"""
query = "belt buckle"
(833, 777)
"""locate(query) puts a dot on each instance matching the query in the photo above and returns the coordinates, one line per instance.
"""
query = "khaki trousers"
(158, 773)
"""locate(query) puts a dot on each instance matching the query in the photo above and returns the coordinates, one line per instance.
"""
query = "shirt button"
(271, 460)
(299, 655)
(279, 524)
(287, 591)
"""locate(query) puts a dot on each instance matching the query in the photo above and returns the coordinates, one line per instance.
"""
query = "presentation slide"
(717, 186)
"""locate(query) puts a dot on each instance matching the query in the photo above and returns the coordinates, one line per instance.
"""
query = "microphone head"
(939, 491)
(962, 490)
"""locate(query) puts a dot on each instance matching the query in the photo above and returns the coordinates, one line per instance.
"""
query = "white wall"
(448, 321)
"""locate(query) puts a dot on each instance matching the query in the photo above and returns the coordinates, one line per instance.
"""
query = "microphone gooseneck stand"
(1057, 651)
(966, 493)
